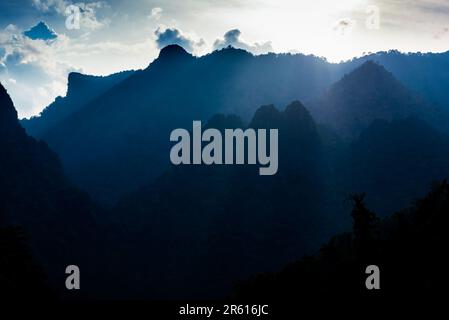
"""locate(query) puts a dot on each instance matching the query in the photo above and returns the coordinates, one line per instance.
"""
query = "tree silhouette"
(365, 224)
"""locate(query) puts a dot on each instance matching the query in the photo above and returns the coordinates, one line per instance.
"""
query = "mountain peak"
(372, 66)
(77, 81)
(369, 79)
(266, 117)
(7, 110)
(173, 51)
(231, 53)
(8, 115)
(89, 85)
(370, 71)
(298, 121)
(369, 92)
(296, 107)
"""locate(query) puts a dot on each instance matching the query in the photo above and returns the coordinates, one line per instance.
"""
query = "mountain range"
(164, 231)
(111, 132)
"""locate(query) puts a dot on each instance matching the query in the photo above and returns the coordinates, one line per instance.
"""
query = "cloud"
(344, 26)
(41, 31)
(156, 13)
(441, 33)
(49, 5)
(89, 18)
(40, 67)
(232, 38)
(14, 58)
(3, 68)
(29, 68)
(88, 11)
(175, 36)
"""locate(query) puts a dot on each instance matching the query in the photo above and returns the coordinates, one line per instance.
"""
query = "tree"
(365, 225)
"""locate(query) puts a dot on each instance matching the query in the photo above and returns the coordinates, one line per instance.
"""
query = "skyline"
(35, 58)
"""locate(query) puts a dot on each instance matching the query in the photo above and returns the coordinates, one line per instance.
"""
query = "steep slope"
(35, 194)
(368, 93)
(80, 90)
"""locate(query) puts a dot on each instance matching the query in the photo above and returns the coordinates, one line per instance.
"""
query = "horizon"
(41, 41)
(367, 54)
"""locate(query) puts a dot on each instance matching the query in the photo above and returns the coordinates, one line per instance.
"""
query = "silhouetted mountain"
(119, 141)
(423, 73)
(107, 144)
(368, 93)
(204, 214)
(35, 194)
(195, 230)
(81, 89)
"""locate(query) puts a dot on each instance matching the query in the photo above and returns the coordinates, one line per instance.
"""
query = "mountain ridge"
(368, 93)
(177, 88)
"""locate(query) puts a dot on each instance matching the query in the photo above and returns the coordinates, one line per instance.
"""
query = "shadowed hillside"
(394, 162)
(57, 218)
(369, 93)
(21, 278)
(408, 247)
(205, 214)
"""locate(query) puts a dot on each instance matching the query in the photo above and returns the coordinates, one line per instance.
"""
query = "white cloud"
(89, 18)
(29, 65)
(3, 68)
(233, 38)
(167, 36)
(40, 68)
(344, 26)
(156, 13)
(49, 5)
(88, 11)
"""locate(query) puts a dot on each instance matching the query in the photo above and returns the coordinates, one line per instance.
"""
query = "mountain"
(120, 141)
(80, 90)
(114, 141)
(422, 73)
(368, 93)
(194, 219)
(57, 218)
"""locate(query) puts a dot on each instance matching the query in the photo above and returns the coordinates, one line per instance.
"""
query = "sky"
(41, 41)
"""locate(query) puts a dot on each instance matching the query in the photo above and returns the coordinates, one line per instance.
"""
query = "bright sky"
(116, 35)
